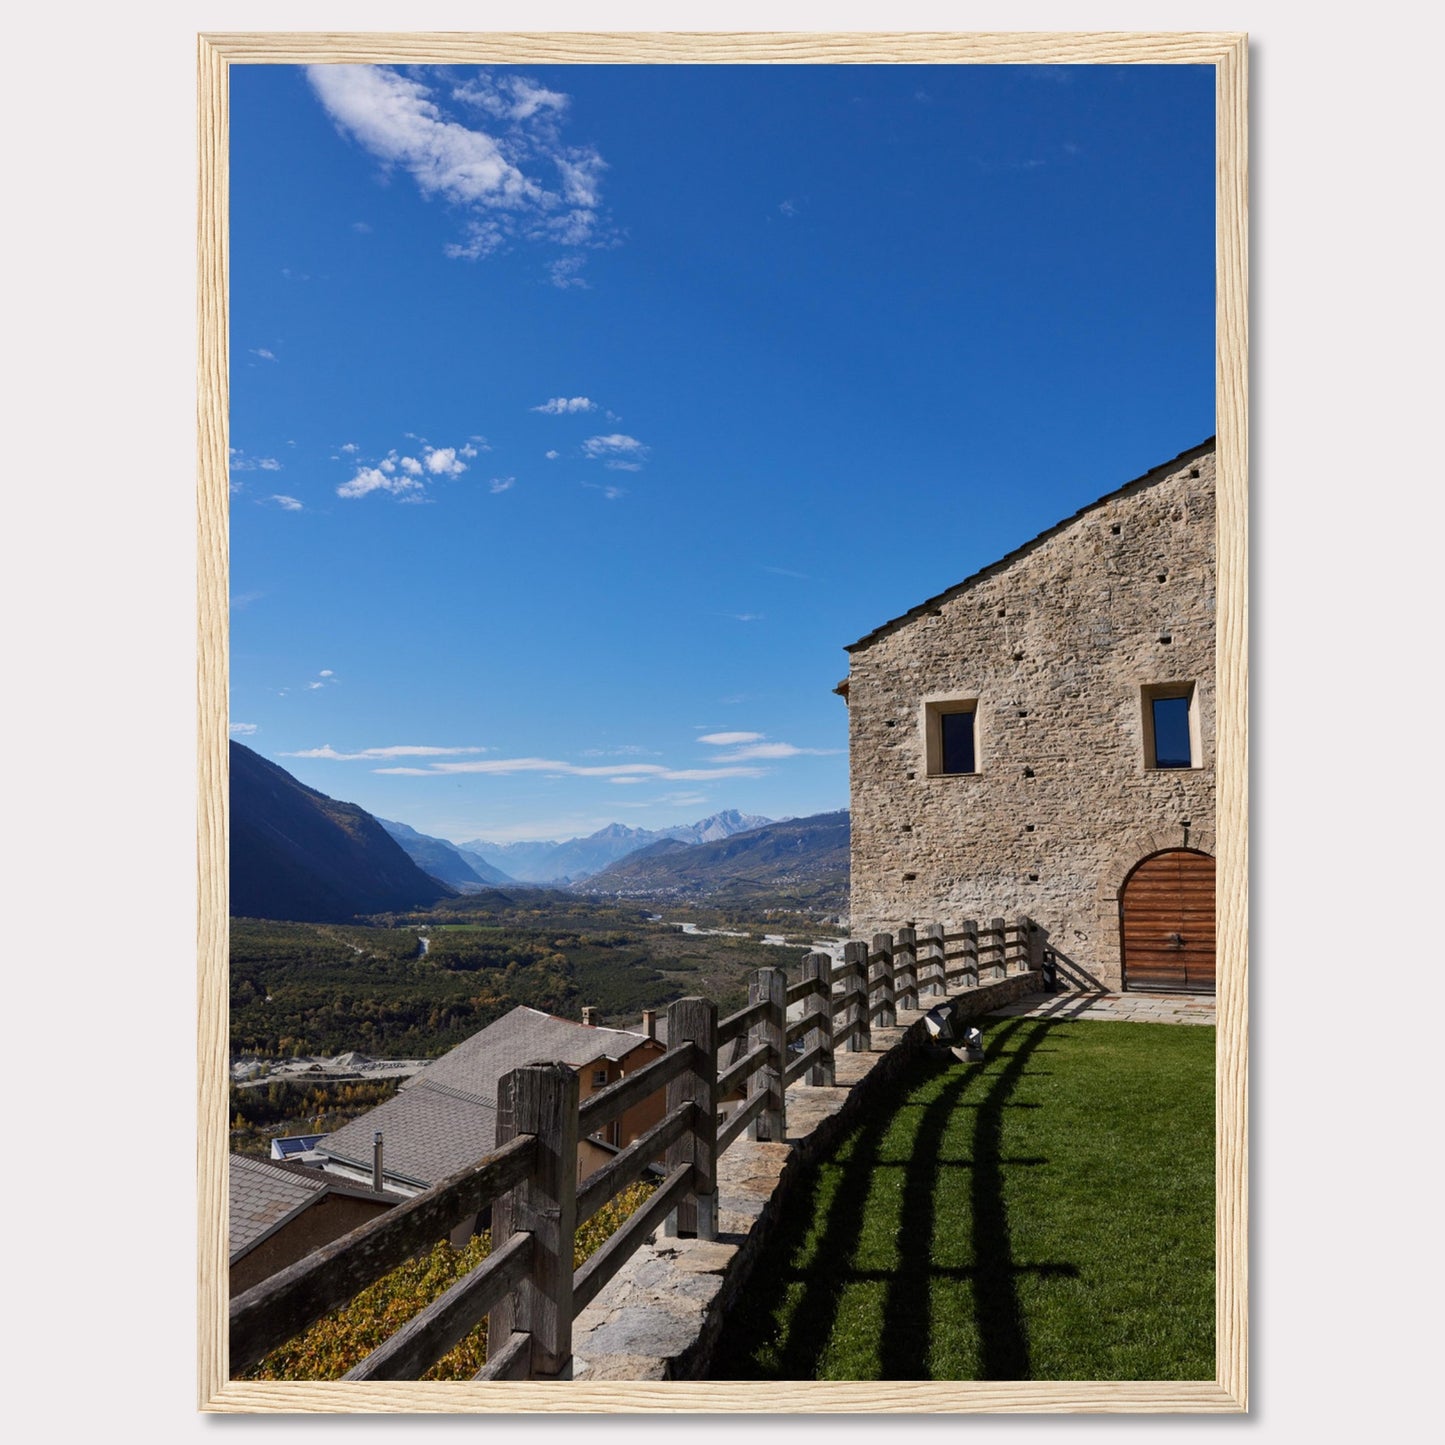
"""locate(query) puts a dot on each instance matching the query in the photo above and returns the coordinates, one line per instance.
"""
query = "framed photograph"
(603, 1006)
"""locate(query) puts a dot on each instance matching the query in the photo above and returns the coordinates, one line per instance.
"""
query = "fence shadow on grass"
(906, 1328)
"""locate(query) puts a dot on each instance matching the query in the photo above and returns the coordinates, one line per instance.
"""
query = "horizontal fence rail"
(527, 1288)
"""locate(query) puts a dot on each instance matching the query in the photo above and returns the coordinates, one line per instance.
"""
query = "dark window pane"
(1171, 732)
(957, 742)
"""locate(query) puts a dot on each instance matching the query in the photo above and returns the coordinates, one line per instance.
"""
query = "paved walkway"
(1153, 1008)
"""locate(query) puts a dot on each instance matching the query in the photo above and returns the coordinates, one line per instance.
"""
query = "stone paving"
(1153, 1008)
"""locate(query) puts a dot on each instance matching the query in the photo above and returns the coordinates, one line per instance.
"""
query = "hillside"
(443, 860)
(799, 863)
(297, 854)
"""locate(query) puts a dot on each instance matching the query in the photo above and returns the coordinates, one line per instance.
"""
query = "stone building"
(1040, 739)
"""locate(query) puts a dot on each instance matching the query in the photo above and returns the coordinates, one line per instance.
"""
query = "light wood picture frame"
(1228, 54)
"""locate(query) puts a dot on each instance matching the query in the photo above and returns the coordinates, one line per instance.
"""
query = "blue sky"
(581, 415)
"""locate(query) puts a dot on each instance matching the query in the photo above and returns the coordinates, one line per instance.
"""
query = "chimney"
(376, 1173)
(589, 1018)
(649, 1022)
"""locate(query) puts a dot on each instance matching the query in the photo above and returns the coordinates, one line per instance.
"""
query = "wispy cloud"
(774, 751)
(243, 730)
(503, 484)
(613, 446)
(361, 228)
(563, 405)
(380, 754)
(752, 747)
(609, 492)
(512, 174)
(287, 504)
(744, 616)
(551, 456)
(240, 462)
(506, 767)
(263, 353)
(787, 572)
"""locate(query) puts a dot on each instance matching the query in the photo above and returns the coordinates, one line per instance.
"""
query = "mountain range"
(297, 854)
(579, 858)
(798, 862)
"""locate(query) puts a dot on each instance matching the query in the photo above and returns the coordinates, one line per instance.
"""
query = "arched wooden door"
(1166, 922)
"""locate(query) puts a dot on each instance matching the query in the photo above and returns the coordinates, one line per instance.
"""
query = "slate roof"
(263, 1197)
(524, 1036)
(1154, 474)
(265, 1194)
(444, 1118)
(428, 1134)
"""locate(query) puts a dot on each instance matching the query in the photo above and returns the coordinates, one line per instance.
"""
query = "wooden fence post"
(991, 948)
(855, 963)
(882, 961)
(540, 1099)
(694, 1021)
(970, 951)
(906, 957)
(818, 967)
(769, 986)
(1016, 946)
(1036, 945)
(934, 965)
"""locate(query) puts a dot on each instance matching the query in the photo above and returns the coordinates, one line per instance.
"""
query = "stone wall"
(1056, 643)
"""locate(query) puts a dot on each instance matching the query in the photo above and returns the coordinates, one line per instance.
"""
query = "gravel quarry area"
(251, 1071)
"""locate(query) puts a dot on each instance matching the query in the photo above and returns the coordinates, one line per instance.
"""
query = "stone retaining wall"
(660, 1318)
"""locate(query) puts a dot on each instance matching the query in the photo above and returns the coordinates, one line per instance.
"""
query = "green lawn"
(1045, 1215)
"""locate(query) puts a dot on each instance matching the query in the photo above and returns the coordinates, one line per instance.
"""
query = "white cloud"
(289, 504)
(623, 466)
(263, 353)
(629, 781)
(744, 616)
(468, 451)
(244, 729)
(350, 448)
(312, 686)
(442, 462)
(514, 179)
(612, 446)
(326, 672)
(728, 740)
(361, 228)
(374, 754)
(562, 405)
(503, 484)
(551, 456)
(410, 466)
(375, 479)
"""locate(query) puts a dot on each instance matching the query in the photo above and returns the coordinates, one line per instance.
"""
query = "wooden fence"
(527, 1284)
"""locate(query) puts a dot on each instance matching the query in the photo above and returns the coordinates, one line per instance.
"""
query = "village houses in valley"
(1039, 739)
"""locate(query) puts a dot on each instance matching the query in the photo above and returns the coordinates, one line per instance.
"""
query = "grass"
(1047, 1214)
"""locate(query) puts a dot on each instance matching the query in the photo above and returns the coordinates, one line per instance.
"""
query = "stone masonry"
(1055, 644)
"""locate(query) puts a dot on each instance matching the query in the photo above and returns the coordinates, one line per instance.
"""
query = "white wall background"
(98, 576)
